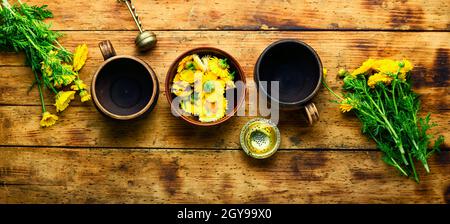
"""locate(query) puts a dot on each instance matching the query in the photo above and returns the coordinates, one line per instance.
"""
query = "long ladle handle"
(134, 14)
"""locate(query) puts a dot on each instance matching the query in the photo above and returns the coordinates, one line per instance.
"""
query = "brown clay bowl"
(234, 66)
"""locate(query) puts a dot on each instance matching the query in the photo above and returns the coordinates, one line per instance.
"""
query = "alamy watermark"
(255, 103)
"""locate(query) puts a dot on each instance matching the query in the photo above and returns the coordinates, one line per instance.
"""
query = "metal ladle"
(145, 40)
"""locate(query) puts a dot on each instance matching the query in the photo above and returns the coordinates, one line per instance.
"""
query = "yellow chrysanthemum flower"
(198, 81)
(48, 119)
(378, 77)
(63, 99)
(187, 75)
(209, 76)
(214, 66)
(388, 67)
(64, 79)
(46, 70)
(199, 64)
(224, 74)
(78, 85)
(345, 105)
(183, 62)
(377, 64)
(325, 71)
(366, 66)
(85, 96)
(342, 72)
(191, 107)
(213, 110)
(407, 66)
(214, 90)
(181, 89)
(80, 57)
(68, 78)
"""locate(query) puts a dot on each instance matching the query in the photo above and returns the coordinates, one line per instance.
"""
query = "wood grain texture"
(252, 14)
(429, 52)
(86, 158)
(42, 175)
(83, 126)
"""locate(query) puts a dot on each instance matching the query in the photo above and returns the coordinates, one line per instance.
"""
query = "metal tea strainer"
(145, 40)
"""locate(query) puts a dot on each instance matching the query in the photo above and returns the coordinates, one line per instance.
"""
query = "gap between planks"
(195, 149)
(262, 30)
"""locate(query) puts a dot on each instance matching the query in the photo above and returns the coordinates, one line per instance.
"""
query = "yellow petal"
(378, 77)
(183, 62)
(345, 107)
(80, 57)
(48, 119)
(85, 96)
(187, 75)
(209, 76)
(377, 64)
(78, 85)
(181, 89)
(177, 78)
(63, 99)
(198, 63)
(213, 111)
(389, 67)
(366, 66)
(407, 66)
(198, 81)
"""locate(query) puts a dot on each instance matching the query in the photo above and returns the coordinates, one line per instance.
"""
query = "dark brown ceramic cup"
(298, 69)
(123, 87)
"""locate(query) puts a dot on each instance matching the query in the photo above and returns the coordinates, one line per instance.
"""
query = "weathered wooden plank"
(251, 15)
(42, 175)
(83, 126)
(428, 51)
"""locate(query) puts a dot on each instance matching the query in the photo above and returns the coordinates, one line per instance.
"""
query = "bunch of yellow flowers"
(383, 70)
(68, 76)
(377, 71)
(380, 94)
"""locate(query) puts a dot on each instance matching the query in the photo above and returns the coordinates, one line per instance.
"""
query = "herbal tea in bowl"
(260, 138)
(297, 70)
(123, 87)
(205, 86)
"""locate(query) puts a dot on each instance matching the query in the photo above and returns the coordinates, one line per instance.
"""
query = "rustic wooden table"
(86, 158)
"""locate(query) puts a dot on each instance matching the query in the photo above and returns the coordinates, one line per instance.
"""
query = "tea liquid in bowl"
(294, 66)
(122, 88)
(260, 138)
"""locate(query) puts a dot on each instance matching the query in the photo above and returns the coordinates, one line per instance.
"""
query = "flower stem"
(398, 166)
(389, 126)
(413, 168)
(41, 96)
(371, 116)
(393, 97)
(326, 86)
